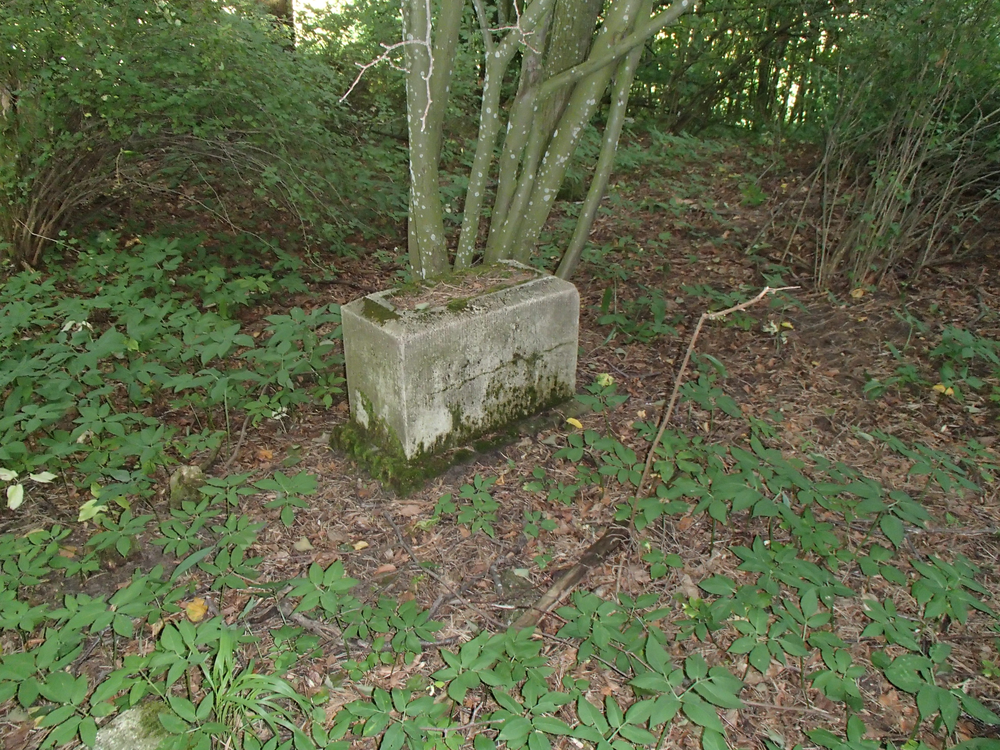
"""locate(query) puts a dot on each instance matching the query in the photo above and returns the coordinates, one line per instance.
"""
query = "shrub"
(99, 99)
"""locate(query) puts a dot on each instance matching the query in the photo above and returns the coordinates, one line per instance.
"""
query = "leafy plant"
(288, 490)
(15, 489)
(239, 703)
(139, 94)
(479, 510)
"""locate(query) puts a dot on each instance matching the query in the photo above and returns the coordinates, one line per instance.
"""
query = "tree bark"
(564, 77)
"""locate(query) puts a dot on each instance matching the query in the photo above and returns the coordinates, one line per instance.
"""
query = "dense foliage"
(101, 348)
(101, 101)
(911, 165)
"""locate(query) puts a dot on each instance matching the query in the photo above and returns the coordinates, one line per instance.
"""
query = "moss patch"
(405, 477)
(391, 468)
(376, 312)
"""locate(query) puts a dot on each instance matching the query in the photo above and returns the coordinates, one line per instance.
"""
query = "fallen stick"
(596, 554)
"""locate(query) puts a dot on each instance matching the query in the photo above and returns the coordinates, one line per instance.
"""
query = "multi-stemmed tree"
(571, 52)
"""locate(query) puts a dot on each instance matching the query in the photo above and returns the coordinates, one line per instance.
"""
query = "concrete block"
(423, 380)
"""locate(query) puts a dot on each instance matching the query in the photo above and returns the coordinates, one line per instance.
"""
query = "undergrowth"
(95, 355)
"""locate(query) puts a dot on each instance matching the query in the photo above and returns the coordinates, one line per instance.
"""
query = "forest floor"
(826, 379)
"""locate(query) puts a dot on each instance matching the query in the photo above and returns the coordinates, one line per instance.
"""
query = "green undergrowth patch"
(956, 364)
(817, 537)
(829, 584)
(96, 352)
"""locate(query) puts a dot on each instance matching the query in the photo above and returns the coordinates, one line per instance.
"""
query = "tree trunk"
(565, 72)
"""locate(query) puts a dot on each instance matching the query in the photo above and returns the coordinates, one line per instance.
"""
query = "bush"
(99, 99)
(912, 152)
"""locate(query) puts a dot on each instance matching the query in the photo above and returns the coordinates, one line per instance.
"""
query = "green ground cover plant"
(128, 329)
(160, 325)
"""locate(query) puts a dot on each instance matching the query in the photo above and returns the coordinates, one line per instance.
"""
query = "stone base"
(427, 379)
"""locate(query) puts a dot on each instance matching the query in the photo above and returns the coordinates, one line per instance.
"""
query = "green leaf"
(393, 738)
(696, 667)
(949, 709)
(651, 681)
(717, 695)
(713, 740)
(743, 645)
(504, 699)
(183, 708)
(375, 724)
(701, 713)
(88, 731)
(591, 715)
(172, 723)
(664, 709)
(977, 710)
(515, 730)
(613, 712)
(57, 716)
(637, 734)
(189, 562)
(760, 657)
(928, 700)
(656, 656)
(718, 585)
(904, 672)
(893, 529)
(640, 711)
(551, 725)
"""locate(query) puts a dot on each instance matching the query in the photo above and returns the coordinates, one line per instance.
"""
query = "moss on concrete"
(376, 312)
(389, 467)
(407, 476)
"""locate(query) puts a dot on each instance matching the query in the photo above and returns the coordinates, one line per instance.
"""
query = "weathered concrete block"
(423, 380)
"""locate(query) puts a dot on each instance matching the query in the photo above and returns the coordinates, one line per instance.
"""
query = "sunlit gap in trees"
(305, 8)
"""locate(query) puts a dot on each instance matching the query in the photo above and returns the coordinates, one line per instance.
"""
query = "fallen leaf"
(387, 568)
(196, 609)
(688, 587)
(410, 510)
(264, 454)
(359, 545)
(302, 545)
(15, 496)
(575, 422)
(858, 293)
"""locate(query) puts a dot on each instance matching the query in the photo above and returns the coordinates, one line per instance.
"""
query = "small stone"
(185, 484)
(136, 728)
